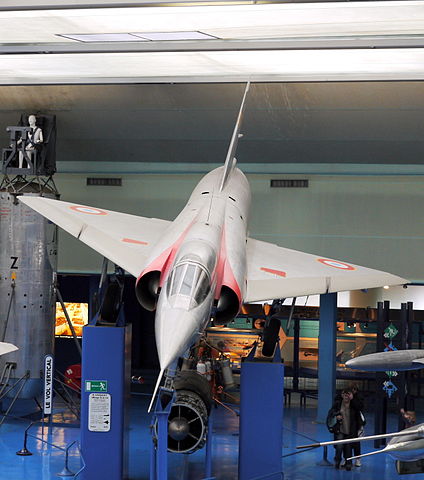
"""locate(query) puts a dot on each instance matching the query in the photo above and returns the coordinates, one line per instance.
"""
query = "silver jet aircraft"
(203, 263)
(406, 445)
(398, 360)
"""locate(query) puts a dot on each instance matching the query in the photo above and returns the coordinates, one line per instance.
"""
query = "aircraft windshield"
(188, 285)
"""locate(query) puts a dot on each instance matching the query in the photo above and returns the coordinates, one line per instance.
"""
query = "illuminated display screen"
(78, 313)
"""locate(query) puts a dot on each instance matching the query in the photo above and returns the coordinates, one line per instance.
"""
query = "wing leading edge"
(277, 272)
(122, 238)
(272, 271)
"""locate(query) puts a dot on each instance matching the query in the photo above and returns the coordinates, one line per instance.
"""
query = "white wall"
(395, 295)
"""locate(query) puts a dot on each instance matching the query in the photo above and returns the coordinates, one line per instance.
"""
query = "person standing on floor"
(358, 402)
(409, 417)
(344, 420)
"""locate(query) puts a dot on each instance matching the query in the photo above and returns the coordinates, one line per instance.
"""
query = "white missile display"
(406, 445)
(398, 360)
(202, 264)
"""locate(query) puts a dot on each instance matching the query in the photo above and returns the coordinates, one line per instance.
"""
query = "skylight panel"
(137, 37)
(104, 37)
(158, 36)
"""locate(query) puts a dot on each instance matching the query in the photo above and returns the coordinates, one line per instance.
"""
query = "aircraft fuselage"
(202, 262)
(407, 448)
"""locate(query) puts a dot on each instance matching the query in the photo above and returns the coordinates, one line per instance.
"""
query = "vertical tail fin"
(230, 161)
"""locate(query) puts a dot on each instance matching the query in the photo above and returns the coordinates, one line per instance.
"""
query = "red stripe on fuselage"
(165, 260)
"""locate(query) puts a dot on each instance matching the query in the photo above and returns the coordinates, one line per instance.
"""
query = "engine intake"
(228, 305)
(147, 289)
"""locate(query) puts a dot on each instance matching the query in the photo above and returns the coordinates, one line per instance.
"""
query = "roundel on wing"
(336, 264)
(88, 210)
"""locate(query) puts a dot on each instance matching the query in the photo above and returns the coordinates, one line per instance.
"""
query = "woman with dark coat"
(359, 404)
(345, 416)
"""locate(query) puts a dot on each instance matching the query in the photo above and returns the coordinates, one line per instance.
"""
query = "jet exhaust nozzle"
(187, 423)
(188, 418)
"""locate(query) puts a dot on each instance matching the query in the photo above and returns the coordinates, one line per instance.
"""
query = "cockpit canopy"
(188, 285)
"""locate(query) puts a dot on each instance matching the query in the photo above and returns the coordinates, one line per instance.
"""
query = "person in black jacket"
(344, 420)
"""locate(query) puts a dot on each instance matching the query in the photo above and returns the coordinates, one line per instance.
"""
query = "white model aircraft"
(406, 445)
(7, 348)
(399, 360)
(203, 263)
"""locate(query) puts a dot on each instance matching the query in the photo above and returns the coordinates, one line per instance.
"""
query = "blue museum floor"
(299, 428)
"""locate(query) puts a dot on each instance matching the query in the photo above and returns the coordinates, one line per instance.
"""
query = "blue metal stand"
(105, 381)
(159, 449)
(159, 452)
(327, 354)
(261, 420)
(208, 454)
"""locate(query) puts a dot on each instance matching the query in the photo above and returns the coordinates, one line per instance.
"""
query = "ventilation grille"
(289, 183)
(104, 182)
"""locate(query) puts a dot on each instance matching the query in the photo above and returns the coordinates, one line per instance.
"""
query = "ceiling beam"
(317, 43)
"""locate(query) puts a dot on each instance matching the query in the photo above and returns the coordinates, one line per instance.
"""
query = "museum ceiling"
(339, 84)
(350, 122)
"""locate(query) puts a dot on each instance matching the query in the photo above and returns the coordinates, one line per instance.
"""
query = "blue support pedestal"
(327, 354)
(159, 452)
(261, 420)
(159, 448)
(208, 454)
(105, 384)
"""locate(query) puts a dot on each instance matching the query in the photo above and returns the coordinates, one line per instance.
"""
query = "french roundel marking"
(335, 264)
(88, 210)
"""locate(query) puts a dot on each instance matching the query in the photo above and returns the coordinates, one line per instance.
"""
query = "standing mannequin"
(35, 136)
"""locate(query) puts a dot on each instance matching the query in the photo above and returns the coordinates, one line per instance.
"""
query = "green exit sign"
(96, 385)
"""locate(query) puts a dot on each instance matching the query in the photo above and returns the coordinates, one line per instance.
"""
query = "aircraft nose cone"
(175, 329)
(370, 362)
(356, 363)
